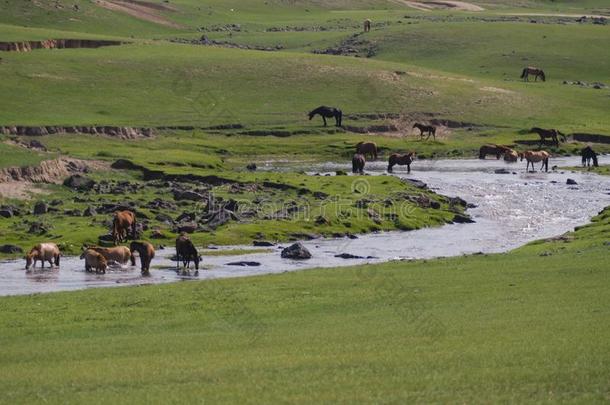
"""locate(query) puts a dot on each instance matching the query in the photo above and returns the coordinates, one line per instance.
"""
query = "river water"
(512, 209)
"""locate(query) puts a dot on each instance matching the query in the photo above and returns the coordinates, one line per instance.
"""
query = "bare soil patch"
(441, 5)
(142, 10)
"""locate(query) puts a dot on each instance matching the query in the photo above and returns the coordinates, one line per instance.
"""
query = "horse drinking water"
(358, 162)
(327, 112)
(588, 155)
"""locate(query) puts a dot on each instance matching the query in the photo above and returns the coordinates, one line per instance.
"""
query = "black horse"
(327, 112)
(588, 155)
(425, 129)
(358, 162)
(548, 133)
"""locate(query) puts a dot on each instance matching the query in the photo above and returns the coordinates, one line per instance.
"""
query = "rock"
(341, 173)
(296, 251)
(252, 167)
(40, 208)
(187, 195)
(571, 182)
(462, 219)
(38, 228)
(164, 218)
(502, 171)
(6, 213)
(187, 227)
(10, 249)
(157, 234)
(89, 211)
(349, 256)
(320, 195)
(352, 236)
(79, 182)
(415, 183)
(320, 220)
(72, 213)
(244, 263)
(262, 243)
(435, 205)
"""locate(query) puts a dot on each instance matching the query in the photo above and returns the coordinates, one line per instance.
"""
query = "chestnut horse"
(45, 252)
(535, 157)
(401, 160)
(494, 150)
(358, 162)
(510, 155)
(530, 70)
(94, 260)
(117, 254)
(365, 148)
(123, 225)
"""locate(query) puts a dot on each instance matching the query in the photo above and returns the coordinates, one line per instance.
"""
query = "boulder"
(6, 213)
(79, 182)
(416, 183)
(296, 251)
(187, 195)
(571, 182)
(244, 264)
(10, 249)
(40, 208)
(89, 211)
(462, 219)
(252, 167)
(262, 243)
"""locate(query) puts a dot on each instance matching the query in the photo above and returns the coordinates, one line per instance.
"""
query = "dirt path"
(140, 9)
(424, 5)
(19, 190)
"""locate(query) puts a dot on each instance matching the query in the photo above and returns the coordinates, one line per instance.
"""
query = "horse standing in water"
(358, 162)
(327, 112)
(401, 160)
(535, 157)
(588, 155)
(186, 252)
(43, 252)
(365, 148)
(367, 25)
(548, 133)
(425, 129)
(530, 70)
(146, 252)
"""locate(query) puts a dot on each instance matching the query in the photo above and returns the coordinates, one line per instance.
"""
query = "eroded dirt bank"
(49, 171)
(119, 132)
(27, 46)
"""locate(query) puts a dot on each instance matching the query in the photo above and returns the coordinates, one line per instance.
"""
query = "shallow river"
(512, 209)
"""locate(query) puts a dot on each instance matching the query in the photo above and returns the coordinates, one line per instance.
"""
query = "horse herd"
(98, 258)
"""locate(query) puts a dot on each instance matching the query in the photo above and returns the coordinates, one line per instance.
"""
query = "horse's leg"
(408, 167)
(324, 119)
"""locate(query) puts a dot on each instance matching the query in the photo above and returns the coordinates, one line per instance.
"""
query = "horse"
(364, 148)
(146, 252)
(530, 70)
(94, 260)
(423, 129)
(117, 254)
(401, 160)
(589, 154)
(358, 162)
(327, 112)
(367, 25)
(45, 252)
(490, 150)
(535, 157)
(510, 155)
(186, 251)
(548, 133)
(123, 224)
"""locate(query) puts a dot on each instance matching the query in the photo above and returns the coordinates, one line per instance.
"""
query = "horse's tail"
(595, 160)
(523, 73)
(57, 259)
(133, 227)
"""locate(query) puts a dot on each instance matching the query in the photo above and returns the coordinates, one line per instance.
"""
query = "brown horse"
(358, 162)
(146, 252)
(94, 260)
(490, 149)
(117, 254)
(535, 157)
(425, 129)
(530, 70)
(186, 251)
(401, 160)
(367, 25)
(123, 225)
(45, 252)
(367, 147)
(548, 133)
(510, 155)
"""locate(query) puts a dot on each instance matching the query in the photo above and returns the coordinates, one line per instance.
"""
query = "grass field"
(528, 326)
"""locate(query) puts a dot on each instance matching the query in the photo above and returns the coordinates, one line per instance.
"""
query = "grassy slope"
(528, 326)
